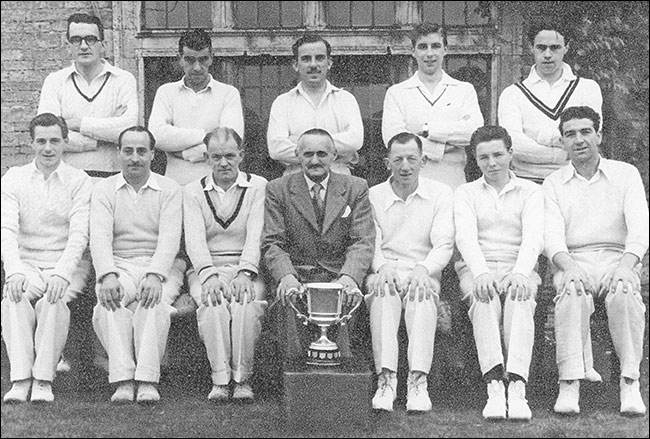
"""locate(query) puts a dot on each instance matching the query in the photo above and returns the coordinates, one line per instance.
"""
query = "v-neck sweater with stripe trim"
(207, 241)
(536, 147)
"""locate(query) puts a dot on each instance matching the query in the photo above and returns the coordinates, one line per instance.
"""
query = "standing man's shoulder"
(222, 87)
(166, 183)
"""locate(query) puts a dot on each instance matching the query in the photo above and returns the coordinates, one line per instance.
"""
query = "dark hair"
(402, 139)
(48, 120)
(547, 23)
(317, 132)
(85, 18)
(424, 29)
(222, 134)
(582, 112)
(310, 38)
(137, 129)
(488, 133)
(195, 39)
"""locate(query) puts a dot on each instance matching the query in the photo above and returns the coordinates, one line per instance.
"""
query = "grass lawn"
(82, 408)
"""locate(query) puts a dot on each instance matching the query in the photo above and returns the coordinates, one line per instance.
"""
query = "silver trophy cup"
(324, 303)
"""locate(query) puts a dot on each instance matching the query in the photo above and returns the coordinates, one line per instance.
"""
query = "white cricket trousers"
(134, 337)
(229, 330)
(35, 335)
(518, 324)
(625, 318)
(421, 320)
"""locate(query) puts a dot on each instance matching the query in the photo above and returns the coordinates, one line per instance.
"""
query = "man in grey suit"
(318, 227)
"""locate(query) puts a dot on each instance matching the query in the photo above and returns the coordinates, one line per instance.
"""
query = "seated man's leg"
(486, 319)
(519, 337)
(573, 342)
(53, 324)
(385, 314)
(421, 318)
(115, 331)
(246, 329)
(18, 326)
(151, 327)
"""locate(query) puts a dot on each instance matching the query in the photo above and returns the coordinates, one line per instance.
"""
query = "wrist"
(248, 273)
(160, 277)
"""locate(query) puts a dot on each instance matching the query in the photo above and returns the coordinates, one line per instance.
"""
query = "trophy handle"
(343, 320)
(299, 314)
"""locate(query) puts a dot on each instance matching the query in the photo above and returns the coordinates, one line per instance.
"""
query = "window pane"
(201, 15)
(454, 13)
(432, 12)
(361, 14)
(473, 17)
(338, 14)
(384, 13)
(269, 14)
(177, 14)
(291, 14)
(246, 15)
(154, 14)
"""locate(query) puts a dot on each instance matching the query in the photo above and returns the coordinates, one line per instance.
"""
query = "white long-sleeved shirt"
(499, 227)
(180, 119)
(536, 147)
(607, 212)
(44, 222)
(106, 106)
(293, 113)
(234, 234)
(127, 224)
(415, 231)
(451, 120)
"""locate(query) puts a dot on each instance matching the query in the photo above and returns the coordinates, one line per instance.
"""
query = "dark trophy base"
(319, 357)
(324, 401)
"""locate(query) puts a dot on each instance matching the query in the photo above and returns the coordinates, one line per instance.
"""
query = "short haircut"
(582, 112)
(402, 139)
(310, 38)
(48, 120)
(222, 134)
(317, 132)
(85, 18)
(547, 23)
(137, 129)
(488, 133)
(424, 29)
(195, 39)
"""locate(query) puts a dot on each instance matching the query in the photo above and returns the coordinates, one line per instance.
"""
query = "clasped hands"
(516, 285)
(417, 284)
(215, 289)
(111, 292)
(577, 279)
(290, 288)
(16, 285)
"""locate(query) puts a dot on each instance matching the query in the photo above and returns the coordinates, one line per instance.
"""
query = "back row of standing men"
(427, 123)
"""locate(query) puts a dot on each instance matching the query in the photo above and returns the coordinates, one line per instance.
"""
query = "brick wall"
(33, 45)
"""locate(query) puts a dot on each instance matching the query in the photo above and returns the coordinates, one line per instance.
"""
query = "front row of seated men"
(590, 217)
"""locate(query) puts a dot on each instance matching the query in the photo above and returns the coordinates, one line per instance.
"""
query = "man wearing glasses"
(97, 100)
(185, 111)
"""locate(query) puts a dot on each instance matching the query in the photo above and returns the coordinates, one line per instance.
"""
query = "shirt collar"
(59, 172)
(390, 197)
(106, 68)
(604, 166)
(152, 182)
(324, 183)
(415, 81)
(567, 75)
(512, 184)
(208, 87)
(329, 88)
(241, 181)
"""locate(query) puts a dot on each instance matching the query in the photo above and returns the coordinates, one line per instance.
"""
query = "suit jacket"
(292, 240)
